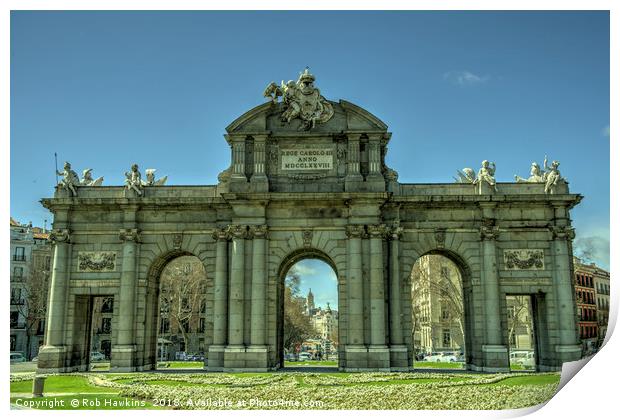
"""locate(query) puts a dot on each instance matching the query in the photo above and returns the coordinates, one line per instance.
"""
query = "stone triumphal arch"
(308, 179)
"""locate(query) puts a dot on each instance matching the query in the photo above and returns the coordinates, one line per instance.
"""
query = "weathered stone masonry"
(341, 204)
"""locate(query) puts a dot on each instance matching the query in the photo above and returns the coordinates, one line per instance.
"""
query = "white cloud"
(333, 277)
(304, 269)
(593, 248)
(464, 78)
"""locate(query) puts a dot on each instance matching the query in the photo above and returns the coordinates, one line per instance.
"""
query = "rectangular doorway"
(521, 333)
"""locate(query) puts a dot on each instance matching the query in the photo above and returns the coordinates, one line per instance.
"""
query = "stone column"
(355, 316)
(238, 158)
(494, 352)
(57, 302)
(237, 285)
(259, 284)
(353, 159)
(123, 351)
(220, 295)
(374, 156)
(568, 348)
(396, 329)
(259, 178)
(377, 286)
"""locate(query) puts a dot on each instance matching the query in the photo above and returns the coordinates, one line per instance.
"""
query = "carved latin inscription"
(307, 159)
(96, 261)
(524, 259)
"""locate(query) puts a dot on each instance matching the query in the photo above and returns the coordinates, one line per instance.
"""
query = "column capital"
(60, 236)
(238, 231)
(258, 232)
(395, 232)
(562, 232)
(354, 231)
(221, 234)
(489, 233)
(129, 235)
(377, 231)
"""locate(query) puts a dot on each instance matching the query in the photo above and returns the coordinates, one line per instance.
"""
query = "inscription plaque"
(311, 159)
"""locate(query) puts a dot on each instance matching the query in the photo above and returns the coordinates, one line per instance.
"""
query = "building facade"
(592, 299)
(308, 179)
(29, 274)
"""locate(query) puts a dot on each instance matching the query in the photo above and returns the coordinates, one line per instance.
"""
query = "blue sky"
(318, 276)
(106, 89)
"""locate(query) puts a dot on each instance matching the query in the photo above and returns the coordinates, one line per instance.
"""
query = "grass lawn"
(180, 365)
(335, 390)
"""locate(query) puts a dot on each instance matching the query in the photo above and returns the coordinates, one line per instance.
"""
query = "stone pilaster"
(52, 354)
(495, 353)
(220, 301)
(123, 352)
(568, 348)
(237, 144)
(353, 160)
(259, 178)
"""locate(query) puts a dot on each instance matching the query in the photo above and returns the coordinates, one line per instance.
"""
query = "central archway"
(308, 333)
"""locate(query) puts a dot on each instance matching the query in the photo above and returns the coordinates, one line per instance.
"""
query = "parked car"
(435, 356)
(304, 356)
(17, 357)
(35, 359)
(96, 356)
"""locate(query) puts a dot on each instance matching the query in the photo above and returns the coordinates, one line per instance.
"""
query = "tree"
(181, 295)
(297, 324)
(33, 302)
(518, 315)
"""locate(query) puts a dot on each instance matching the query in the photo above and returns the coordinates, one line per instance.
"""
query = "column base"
(52, 359)
(568, 353)
(215, 358)
(495, 358)
(123, 358)
(398, 358)
(259, 183)
(246, 359)
(379, 358)
(356, 358)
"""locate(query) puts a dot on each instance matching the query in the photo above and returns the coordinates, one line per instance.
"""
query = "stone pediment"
(347, 117)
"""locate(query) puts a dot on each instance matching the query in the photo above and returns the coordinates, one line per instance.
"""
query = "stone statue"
(552, 177)
(536, 175)
(467, 176)
(301, 100)
(487, 174)
(150, 179)
(88, 181)
(133, 179)
(70, 180)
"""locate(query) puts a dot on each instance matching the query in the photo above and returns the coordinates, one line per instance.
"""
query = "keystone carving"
(307, 237)
(440, 238)
(177, 240)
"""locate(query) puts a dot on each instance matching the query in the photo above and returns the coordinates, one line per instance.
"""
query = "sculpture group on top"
(301, 100)
(550, 176)
(133, 179)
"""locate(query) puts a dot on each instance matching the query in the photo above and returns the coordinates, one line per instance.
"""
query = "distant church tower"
(310, 303)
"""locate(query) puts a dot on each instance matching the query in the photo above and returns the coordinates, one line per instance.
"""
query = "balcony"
(19, 257)
(19, 301)
(17, 279)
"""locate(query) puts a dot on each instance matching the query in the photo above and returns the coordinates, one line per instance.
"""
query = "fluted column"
(58, 289)
(353, 158)
(396, 333)
(374, 156)
(257, 327)
(127, 292)
(220, 295)
(355, 318)
(236, 293)
(238, 157)
(377, 286)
